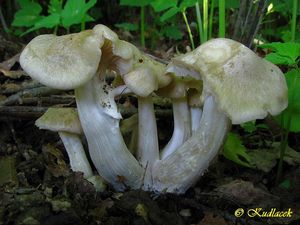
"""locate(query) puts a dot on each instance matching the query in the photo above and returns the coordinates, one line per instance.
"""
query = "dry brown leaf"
(55, 161)
(8, 64)
(211, 218)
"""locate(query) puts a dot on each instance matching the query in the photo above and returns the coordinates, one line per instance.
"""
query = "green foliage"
(171, 8)
(28, 15)
(135, 3)
(251, 126)
(172, 32)
(283, 53)
(235, 151)
(288, 54)
(73, 12)
(285, 184)
(293, 109)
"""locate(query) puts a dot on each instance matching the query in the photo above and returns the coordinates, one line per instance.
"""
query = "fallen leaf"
(245, 193)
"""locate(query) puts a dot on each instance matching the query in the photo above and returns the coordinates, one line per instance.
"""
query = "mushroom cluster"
(218, 84)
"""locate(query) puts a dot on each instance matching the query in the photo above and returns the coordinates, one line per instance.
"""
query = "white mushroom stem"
(196, 114)
(76, 153)
(148, 151)
(182, 126)
(107, 149)
(182, 168)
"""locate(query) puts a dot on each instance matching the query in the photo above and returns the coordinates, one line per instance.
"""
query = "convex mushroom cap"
(145, 75)
(60, 120)
(68, 61)
(245, 86)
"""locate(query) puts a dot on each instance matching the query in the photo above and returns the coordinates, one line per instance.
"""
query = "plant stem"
(286, 130)
(55, 30)
(294, 20)
(188, 28)
(143, 26)
(205, 19)
(3, 22)
(82, 26)
(221, 18)
(211, 16)
(199, 22)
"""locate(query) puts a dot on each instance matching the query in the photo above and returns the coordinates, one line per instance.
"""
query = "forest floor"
(38, 187)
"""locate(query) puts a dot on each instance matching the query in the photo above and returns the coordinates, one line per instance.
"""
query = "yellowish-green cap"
(60, 120)
(62, 62)
(245, 86)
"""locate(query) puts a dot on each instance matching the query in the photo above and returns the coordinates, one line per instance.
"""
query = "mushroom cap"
(63, 62)
(141, 81)
(245, 86)
(60, 120)
(144, 75)
(179, 86)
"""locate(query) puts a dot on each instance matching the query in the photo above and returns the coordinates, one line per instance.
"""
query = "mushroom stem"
(182, 126)
(196, 114)
(148, 150)
(182, 168)
(100, 123)
(76, 153)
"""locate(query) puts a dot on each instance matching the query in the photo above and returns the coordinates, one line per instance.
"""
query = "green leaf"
(169, 13)
(187, 4)
(135, 3)
(55, 6)
(249, 127)
(235, 151)
(29, 4)
(45, 22)
(233, 4)
(283, 53)
(172, 32)
(28, 14)
(161, 5)
(293, 109)
(285, 184)
(127, 26)
(75, 12)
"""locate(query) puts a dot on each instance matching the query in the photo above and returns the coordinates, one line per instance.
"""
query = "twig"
(18, 97)
(33, 112)
(12, 88)
(21, 112)
(3, 22)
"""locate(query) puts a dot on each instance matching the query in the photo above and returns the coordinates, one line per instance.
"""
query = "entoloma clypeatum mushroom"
(73, 62)
(236, 85)
(66, 122)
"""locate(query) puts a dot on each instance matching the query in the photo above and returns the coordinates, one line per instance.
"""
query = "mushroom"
(65, 121)
(238, 86)
(78, 61)
(145, 77)
(177, 92)
(48, 54)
